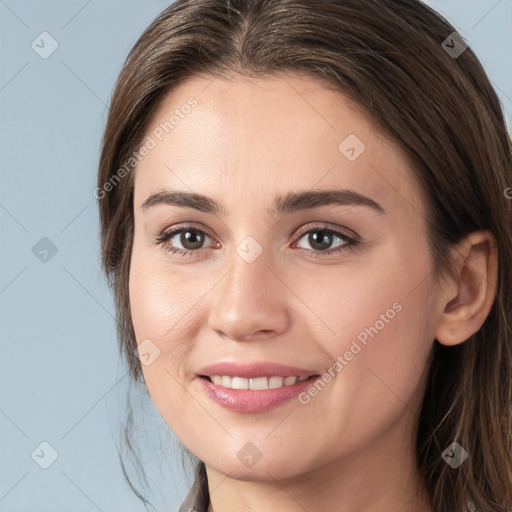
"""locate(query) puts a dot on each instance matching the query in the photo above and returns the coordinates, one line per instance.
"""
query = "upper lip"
(254, 369)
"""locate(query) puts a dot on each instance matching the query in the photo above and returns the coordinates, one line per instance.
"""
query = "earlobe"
(467, 300)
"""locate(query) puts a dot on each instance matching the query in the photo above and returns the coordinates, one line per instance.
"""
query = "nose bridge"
(247, 276)
(249, 300)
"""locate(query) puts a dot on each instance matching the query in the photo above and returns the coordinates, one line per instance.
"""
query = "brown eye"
(321, 240)
(191, 239)
(184, 240)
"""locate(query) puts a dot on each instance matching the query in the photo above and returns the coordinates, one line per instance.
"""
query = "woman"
(306, 227)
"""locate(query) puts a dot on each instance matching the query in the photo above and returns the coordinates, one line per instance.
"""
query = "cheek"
(161, 309)
(382, 353)
(165, 303)
(158, 311)
(161, 297)
(385, 357)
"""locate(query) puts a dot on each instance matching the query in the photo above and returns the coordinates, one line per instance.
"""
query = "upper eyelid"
(349, 233)
(177, 229)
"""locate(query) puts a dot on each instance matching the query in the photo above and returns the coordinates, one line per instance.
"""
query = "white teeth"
(239, 383)
(275, 382)
(216, 379)
(256, 383)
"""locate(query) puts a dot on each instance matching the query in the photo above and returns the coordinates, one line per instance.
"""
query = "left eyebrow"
(296, 201)
(293, 201)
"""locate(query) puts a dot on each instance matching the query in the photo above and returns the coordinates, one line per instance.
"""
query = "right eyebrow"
(184, 199)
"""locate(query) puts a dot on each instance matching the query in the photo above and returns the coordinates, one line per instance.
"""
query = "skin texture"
(248, 141)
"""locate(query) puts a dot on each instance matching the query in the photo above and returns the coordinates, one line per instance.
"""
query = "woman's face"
(337, 285)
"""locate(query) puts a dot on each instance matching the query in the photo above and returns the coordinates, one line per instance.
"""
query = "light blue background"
(61, 379)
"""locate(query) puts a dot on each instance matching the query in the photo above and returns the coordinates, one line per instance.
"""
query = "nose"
(250, 302)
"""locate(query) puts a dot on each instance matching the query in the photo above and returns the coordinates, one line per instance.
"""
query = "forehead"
(273, 134)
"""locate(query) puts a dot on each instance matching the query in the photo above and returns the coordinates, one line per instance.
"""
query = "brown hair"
(386, 55)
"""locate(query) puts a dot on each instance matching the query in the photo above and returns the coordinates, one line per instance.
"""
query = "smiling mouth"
(254, 383)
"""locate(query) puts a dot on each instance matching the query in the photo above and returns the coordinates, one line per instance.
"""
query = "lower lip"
(249, 400)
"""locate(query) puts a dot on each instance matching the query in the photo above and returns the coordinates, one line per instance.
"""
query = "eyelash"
(350, 241)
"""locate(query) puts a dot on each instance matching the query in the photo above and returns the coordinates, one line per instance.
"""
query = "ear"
(467, 300)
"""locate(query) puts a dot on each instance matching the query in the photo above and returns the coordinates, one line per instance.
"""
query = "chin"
(267, 469)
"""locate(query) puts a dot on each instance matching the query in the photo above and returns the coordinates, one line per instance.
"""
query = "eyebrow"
(292, 202)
